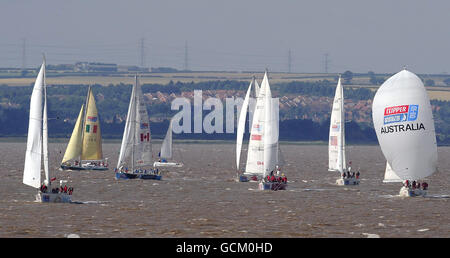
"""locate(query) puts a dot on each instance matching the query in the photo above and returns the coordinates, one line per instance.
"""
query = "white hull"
(347, 181)
(274, 186)
(407, 192)
(53, 197)
(168, 164)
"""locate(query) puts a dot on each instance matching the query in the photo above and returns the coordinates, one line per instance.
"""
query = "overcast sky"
(231, 35)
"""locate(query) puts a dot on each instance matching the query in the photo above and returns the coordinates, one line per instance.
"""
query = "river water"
(202, 199)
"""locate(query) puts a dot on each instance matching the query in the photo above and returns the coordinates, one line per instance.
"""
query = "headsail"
(33, 155)
(73, 150)
(404, 126)
(241, 123)
(336, 143)
(166, 147)
(92, 139)
(390, 176)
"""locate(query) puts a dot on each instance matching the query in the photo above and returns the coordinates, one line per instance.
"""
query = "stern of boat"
(53, 197)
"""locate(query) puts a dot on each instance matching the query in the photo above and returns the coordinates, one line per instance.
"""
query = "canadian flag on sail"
(145, 137)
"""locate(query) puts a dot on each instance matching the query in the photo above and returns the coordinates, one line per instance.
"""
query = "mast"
(45, 127)
(342, 125)
(84, 120)
(135, 127)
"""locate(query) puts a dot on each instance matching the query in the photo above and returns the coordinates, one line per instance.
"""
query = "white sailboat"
(166, 152)
(336, 143)
(262, 157)
(404, 125)
(84, 150)
(136, 149)
(245, 176)
(37, 146)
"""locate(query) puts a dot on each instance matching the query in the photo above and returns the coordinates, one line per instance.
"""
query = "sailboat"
(404, 125)
(85, 143)
(37, 147)
(262, 157)
(166, 151)
(244, 177)
(136, 149)
(336, 143)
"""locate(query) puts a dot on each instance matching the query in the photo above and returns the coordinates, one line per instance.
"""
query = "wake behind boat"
(336, 143)
(136, 148)
(37, 147)
(85, 144)
(404, 125)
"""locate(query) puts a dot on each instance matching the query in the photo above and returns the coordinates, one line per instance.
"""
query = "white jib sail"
(241, 124)
(336, 143)
(128, 132)
(390, 176)
(166, 147)
(404, 126)
(33, 155)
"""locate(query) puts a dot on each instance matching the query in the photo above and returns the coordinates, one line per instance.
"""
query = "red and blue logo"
(402, 113)
(92, 119)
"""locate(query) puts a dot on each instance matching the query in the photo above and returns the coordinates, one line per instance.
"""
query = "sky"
(332, 36)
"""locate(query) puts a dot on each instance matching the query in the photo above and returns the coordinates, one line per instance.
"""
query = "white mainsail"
(336, 143)
(404, 126)
(35, 148)
(271, 130)
(136, 141)
(166, 147)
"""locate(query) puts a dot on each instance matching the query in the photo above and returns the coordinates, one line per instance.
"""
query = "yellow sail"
(73, 150)
(92, 139)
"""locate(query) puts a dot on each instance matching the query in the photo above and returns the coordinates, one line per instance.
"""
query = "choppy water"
(203, 200)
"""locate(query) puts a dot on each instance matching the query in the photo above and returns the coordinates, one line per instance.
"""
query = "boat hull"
(243, 178)
(53, 197)
(347, 181)
(121, 175)
(63, 167)
(408, 192)
(168, 164)
(274, 186)
(150, 177)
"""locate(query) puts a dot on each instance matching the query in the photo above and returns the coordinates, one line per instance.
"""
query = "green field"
(439, 91)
